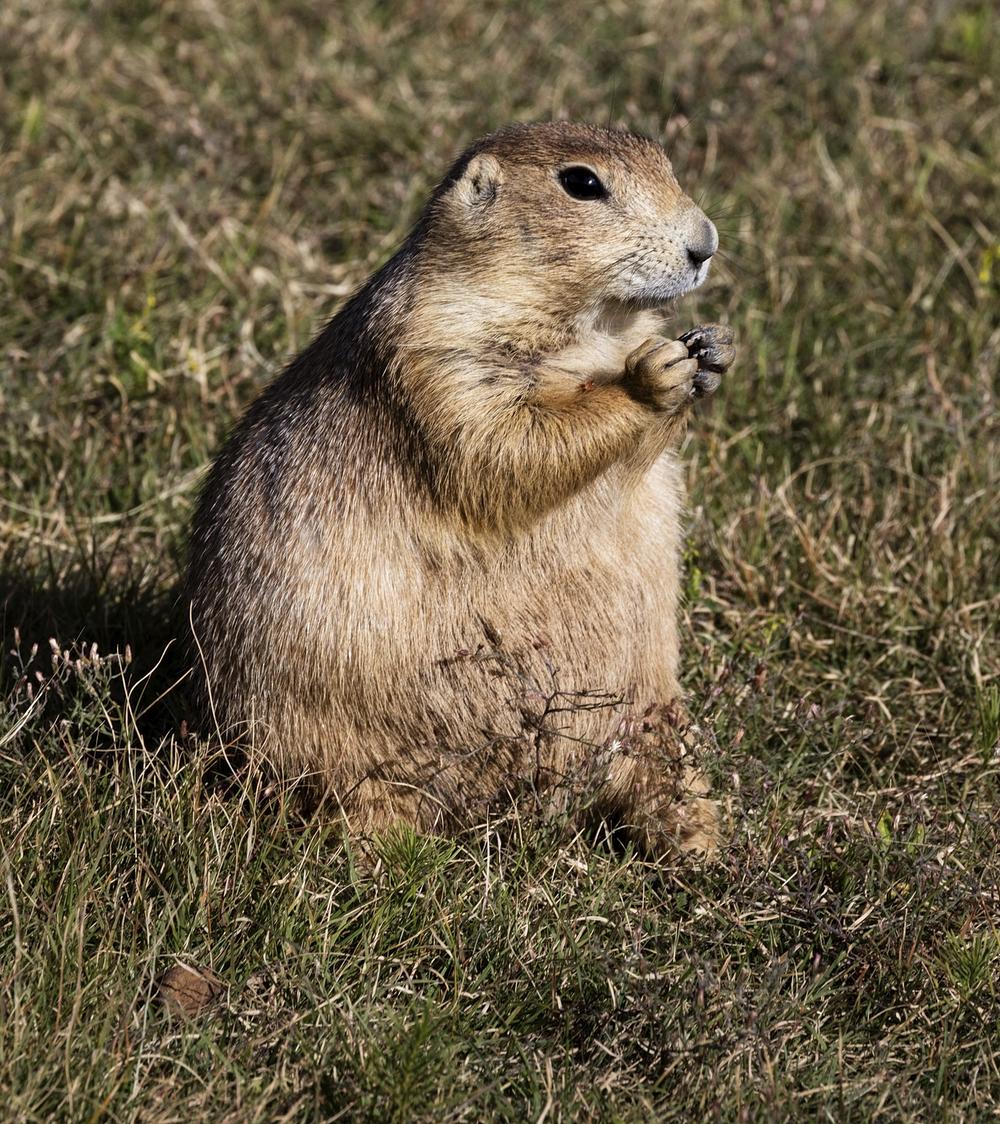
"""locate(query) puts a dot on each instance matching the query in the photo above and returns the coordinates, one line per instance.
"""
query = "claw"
(712, 346)
(706, 382)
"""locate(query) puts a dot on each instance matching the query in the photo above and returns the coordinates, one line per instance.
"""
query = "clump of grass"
(188, 191)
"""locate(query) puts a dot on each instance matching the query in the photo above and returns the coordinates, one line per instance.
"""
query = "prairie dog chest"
(599, 354)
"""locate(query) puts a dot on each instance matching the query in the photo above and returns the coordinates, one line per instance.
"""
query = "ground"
(187, 189)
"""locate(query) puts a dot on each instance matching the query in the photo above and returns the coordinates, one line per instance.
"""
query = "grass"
(188, 189)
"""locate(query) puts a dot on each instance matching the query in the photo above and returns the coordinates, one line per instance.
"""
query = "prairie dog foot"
(660, 373)
(669, 374)
(712, 346)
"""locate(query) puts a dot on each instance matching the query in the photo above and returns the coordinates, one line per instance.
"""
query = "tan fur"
(459, 510)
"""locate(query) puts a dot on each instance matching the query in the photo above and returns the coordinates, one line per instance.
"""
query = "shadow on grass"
(134, 619)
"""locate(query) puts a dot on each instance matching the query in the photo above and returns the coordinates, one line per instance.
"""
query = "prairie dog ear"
(479, 184)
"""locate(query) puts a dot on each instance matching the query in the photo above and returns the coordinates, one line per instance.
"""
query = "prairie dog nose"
(703, 243)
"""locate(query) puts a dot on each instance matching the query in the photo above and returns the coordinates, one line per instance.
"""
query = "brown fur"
(459, 509)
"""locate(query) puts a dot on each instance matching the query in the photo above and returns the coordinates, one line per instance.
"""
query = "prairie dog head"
(571, 219)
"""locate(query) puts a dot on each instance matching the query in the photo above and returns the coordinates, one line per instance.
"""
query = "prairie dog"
(462, 499)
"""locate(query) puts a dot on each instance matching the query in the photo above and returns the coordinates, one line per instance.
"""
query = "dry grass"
(188, 188)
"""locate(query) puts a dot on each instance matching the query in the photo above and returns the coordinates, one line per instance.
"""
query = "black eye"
(582, 183)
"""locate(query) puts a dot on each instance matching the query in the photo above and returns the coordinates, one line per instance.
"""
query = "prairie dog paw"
(661, 374)
(711, 345)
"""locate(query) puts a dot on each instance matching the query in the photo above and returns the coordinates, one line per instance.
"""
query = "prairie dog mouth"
(657, 293)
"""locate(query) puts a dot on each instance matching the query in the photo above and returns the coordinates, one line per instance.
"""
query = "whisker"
(716, 215)
(726, 261)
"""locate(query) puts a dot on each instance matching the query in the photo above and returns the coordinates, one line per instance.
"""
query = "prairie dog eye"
(582, 183)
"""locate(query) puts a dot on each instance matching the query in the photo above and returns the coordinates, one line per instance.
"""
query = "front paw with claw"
(669, 374)
(712, 346)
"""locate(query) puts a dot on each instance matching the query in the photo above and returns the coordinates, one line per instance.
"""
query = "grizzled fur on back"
(462, 498)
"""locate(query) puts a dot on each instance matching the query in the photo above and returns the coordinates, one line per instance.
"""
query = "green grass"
(186, 191)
